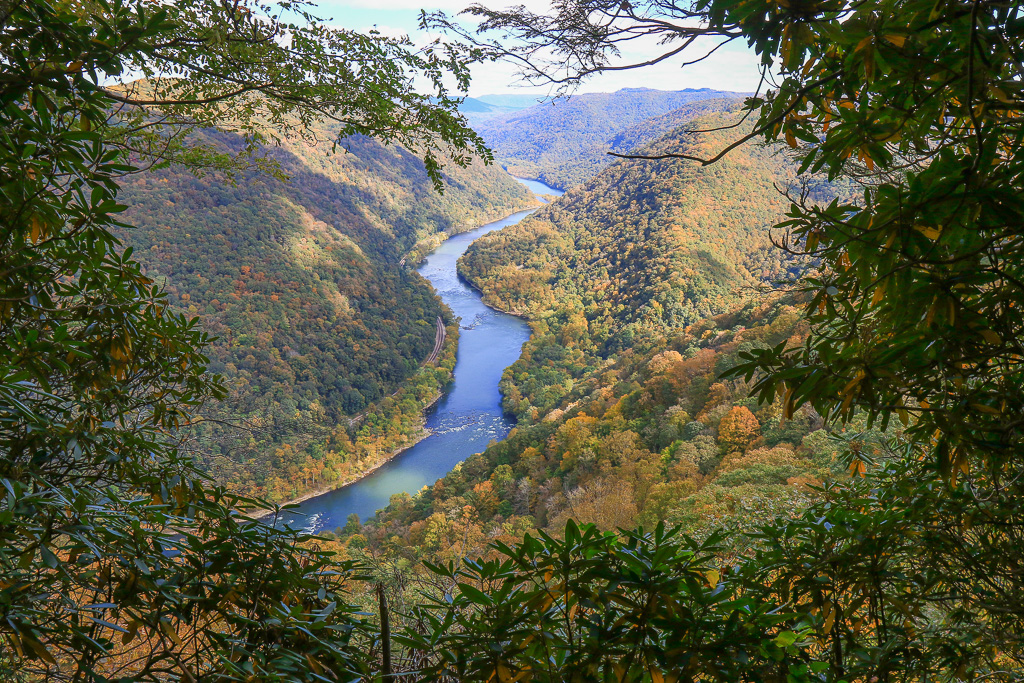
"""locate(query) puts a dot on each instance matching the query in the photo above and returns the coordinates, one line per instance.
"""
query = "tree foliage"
(738, 428)
(268, 71)
(595, 607)
(118, 561)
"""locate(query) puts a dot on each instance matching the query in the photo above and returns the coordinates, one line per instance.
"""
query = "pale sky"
(731, 68)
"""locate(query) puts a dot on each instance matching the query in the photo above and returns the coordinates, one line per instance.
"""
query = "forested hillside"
(640, 288)
(566, 142)
(301, 282)
(649, 437)
(640, 251)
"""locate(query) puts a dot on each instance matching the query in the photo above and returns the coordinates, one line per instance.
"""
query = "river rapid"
(466, 418)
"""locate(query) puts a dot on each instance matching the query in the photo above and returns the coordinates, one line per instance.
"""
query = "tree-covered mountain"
(642, 286)
(565, 142)
(301, 281)
(645, 248)
(645, 437)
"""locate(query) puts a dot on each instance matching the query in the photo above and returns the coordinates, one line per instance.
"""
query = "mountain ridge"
(301, 281)
(565, 142)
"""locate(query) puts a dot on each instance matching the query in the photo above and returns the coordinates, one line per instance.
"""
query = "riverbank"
(417, 437)
(468, 415)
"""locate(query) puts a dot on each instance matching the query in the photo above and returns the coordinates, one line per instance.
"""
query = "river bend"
(466, 418)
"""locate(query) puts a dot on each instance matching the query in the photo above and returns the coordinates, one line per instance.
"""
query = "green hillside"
(649, 437)
(639, 288)
(645, 248)
(565, 142)
(301, 282)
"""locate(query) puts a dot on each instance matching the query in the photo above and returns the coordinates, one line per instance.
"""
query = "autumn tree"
(738, 429)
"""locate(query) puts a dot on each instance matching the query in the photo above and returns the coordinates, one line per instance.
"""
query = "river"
(466, 418)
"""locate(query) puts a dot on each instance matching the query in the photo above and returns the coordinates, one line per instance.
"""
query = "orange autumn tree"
(738, 429)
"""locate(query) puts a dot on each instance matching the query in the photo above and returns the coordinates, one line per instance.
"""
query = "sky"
(731, 68)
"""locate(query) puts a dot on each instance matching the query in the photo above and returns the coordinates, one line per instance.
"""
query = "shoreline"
(419, 436)
(423, 432)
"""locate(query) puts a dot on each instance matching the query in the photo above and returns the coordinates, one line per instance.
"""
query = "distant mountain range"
(497, 104)
(565, 142)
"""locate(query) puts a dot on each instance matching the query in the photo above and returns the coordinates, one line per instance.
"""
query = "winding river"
(466, 418)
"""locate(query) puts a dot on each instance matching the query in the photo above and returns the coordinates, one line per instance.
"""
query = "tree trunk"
(385, 635)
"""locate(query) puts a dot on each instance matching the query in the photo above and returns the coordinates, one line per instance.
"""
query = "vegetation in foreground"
(120, 563)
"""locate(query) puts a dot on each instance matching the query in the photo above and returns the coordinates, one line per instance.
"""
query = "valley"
(641, 286)
(318, 365)
(468, 415)
(642, 264)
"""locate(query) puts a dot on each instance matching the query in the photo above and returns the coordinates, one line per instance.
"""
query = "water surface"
(468, 416)
(539, 188)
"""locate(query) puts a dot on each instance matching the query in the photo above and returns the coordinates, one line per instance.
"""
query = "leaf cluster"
(593, 606)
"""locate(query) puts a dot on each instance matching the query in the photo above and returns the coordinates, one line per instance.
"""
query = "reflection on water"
(467, 417)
